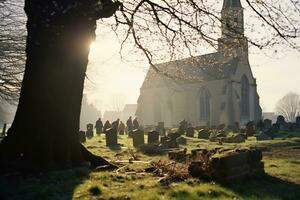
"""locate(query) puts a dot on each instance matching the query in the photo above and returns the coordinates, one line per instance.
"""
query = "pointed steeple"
(232, 4)
(232, 39)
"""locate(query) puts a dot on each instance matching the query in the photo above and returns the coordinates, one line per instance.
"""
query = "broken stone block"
(151, 149)
(227, 165)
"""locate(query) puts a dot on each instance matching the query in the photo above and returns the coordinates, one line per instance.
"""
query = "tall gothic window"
(244, 97)
(204, 104)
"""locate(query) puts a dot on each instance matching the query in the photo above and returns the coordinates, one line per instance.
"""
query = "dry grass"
(166, 180)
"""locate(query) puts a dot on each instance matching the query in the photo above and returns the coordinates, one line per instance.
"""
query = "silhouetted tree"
(45, 129)
(12, 46)
(289, 106)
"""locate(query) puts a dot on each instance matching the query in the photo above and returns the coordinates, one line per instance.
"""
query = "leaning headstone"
(203, 134)
(82, 137)
(267, 124)
(89, 131)
(111, 137)
(190, 131)
(137, 137)
(153, 137)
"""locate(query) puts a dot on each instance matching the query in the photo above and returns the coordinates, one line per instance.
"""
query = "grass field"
(281, 181)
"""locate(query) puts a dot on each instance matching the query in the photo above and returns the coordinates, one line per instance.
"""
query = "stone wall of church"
(245, 70)
(173, 103)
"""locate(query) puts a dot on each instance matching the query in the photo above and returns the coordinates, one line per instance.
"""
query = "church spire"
(232, 4)
(232, 39)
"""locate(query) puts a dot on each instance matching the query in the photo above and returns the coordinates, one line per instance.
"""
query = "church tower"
(232, 41)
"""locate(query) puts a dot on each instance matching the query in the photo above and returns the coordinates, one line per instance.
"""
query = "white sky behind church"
(111, 79)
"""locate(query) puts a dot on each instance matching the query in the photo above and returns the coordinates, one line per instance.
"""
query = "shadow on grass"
(265, 187)
(52, 185)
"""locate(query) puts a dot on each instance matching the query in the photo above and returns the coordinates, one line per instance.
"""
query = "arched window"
(244, 97)
(204, 104)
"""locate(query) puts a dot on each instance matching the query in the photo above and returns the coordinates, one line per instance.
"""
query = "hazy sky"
(110, 77)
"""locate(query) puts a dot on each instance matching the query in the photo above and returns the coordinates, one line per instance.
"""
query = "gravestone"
(243, 130)
(174, 136)
(260, 125)
(137, 138)
(236, 127)
(250, 131)
(160, 128)
(182, 127)
(82, 137)
(89, 131)
(298, 121)
(267, 124)
(221, 127)
(111, 137)
(204, 134)
(169, 142)
(130, 133)
(181, 140)
(275, 128)
(153, 137)
(164, 139)
(190, 131)
(283, 126)
(263, 136)
(280, 120)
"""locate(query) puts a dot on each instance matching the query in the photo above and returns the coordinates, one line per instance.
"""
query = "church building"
(212, 89)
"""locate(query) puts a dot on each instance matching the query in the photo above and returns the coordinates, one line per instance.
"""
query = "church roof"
(231, 3)
(207, 67)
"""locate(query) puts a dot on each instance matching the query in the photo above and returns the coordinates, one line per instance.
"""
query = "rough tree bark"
(44, 132)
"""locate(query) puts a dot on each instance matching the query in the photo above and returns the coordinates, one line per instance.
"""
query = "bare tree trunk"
(45, 129)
